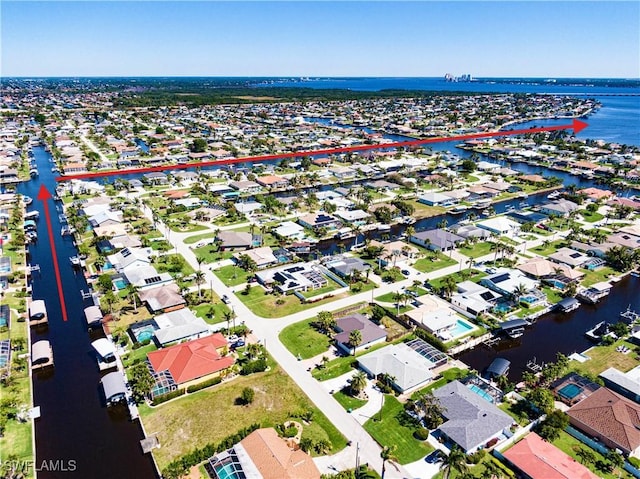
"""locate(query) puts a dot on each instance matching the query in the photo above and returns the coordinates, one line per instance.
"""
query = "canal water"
(75, 424)
(557, 332)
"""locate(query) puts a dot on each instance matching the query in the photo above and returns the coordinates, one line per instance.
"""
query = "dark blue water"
(142, 145)
(75, 424)
(617, 121)
(557, 332)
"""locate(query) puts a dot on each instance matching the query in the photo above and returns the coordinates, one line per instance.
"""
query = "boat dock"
(629, 316)
(534, 366)
(38, 313)
(595, 293)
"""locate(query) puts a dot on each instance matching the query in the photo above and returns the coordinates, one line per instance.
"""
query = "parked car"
(435, 456)
(406, 272)
(225, 299)
(239, 343)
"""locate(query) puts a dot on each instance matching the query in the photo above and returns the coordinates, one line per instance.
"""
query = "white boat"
(27, 200)
(458, 210)
(553, 195)
(32, 215)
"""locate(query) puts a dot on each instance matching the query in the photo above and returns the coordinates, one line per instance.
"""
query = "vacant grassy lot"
(603, 357)
(569, 445)
(303, 340)
(266, 305)
(212, 414)
(475, 251)
(388, 429)
(597, 276)
(232, 275)
(552, 247)
(433, 263)
(590, 217)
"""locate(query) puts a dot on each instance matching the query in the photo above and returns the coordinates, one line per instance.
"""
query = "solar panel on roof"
(125, 252)
(152, 280)
(500, 278)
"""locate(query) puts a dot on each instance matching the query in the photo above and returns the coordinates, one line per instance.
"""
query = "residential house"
(290, 231)
(433, 198)
(371, 334)
(408, 365)
(262, 256)
(193, 361)
(145, 277)
(506, 281)
(290, 278)
(536, 458)
(345, 266)
(471, 421)
(610, 418)
(130, 258)
(235, 240)
(436, 239)
(262, 455)
(179, 325)
(315, 221)
(395, 252)
(570, 257)
(626, 384)
(559, 208)
(473, 298)
(245, 186)
(162, 298)
(500, 225)
(272, 182)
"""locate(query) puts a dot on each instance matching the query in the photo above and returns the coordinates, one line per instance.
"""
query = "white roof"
(104, 347)
(500, 223)
(289, 228)
(409, 368)
(178, 325)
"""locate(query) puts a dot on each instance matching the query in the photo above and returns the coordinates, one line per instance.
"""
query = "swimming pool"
(226, 472)
(120, 283)
(480, 392)
(570, 391)
(529, 299)
(502, 308)
(143, 333)
(461, 328)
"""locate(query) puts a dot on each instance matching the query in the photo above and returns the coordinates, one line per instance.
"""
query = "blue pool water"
(120, 283)
(462, 327)
(144, 333)
(529, 299)
(481, 392)
(226, 472)
(501, 308)
(570, 391)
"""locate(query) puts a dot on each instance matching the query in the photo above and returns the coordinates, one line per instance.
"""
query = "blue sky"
(541, 39)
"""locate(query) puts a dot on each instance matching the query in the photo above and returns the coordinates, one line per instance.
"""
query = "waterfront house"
(506, 281)
(433, 198)
(473, 298)
(559, 208)
(145, 277)
(470, 231)
(155, 178)
(247, 207)
(272, 182)
(610, 418)
(626, 384)
(570, 257)
(436, 239)
(290, 231)
(542, 268)
(434, 315)
(343, 172)
(371, 334)
(245, 186)
(193, 361)
(179, 325)
(500, 225)
(354, 217)
(408, 365)
(536, 458)
(315, 221)
(395, 252)
(130, 258)
(262, 455)
(471, 421)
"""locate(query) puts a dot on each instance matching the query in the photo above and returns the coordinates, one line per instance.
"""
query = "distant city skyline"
(319, 39)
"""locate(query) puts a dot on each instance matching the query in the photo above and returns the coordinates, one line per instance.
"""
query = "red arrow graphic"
(45, 196)
(576, 126)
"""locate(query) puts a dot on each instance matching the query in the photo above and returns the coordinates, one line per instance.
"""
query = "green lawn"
(163, 264)
(211, 254)
(590, 217)
(212, 414)
(271, 306)
(603, 357)
(334, 368)
(447, 376)
(196, 238)
(475, 251)
(232, 275)
(304, 341)
(596, 276)
(473, 275)
(349, 402)
(551, 248)
(433, 263)
(553, 295)
(139, 354)
(569, 445)
(390, 431)
(212, 312)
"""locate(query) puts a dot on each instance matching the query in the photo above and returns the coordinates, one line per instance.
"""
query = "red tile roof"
(539, 459)
(611, 416)
(193, 359)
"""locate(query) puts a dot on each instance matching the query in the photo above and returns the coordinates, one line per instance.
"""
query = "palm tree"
(455, 461)
(199, 280)
(132, 290)
(410, 231)
(357, 383)
(397, 297)
(199, 260)
(519, 291)
(586, 456)
(387, 454)
(355, 338)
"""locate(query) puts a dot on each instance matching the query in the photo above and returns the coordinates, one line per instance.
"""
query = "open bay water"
(618, 120)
